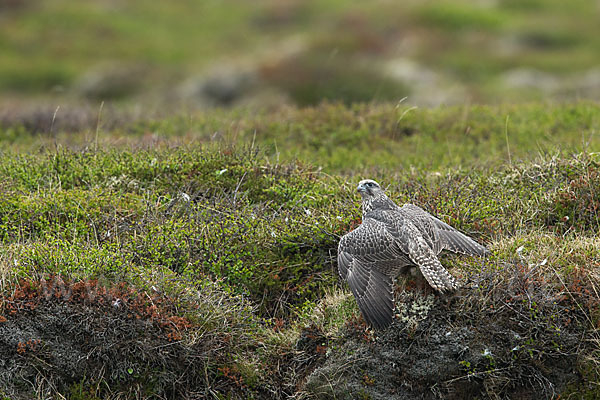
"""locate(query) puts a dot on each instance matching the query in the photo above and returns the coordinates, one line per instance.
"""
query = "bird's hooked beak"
(361, 189)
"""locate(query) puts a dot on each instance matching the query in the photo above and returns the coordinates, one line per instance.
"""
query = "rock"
(529, 78)
(428, 87)
(112, 80)
(588, 84)
(409, 71)
(221, 85)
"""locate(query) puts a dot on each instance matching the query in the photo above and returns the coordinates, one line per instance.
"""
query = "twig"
(52, 126)
(507, 144)
(238, 185)
(474, 374)
(98, 127)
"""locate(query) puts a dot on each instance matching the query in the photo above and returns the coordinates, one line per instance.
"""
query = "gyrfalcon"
(389, 241)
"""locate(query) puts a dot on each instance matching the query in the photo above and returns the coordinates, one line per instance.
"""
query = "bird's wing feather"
(364, 255)
(442, 235)
(420, 251)
(374, 294)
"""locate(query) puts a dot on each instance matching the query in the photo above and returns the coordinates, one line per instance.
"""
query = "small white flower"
(486, 352)
(307, 211)
(186, 197)
(221, 172)
(520, 249)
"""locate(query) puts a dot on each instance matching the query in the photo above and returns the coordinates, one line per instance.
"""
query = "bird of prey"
(390, 241)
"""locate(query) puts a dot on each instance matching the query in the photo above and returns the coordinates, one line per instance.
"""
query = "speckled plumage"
(390, 240)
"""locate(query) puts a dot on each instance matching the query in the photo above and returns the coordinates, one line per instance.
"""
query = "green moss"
(588, 389)
(83, 391)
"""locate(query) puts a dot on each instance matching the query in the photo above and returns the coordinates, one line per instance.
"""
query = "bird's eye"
(369, 184)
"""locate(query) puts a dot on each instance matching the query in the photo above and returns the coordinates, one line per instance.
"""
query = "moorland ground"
(175, 177)
(194, 255)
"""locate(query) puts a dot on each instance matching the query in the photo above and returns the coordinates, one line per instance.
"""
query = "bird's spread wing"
(364, 257)
(420, 250)
(442, 235)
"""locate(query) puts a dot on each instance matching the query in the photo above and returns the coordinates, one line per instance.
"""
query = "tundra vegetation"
(193, 256)
(175, 177)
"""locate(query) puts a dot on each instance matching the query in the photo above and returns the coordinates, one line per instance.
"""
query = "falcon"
(391, 240)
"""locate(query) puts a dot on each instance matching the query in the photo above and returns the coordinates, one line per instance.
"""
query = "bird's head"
(368, 188)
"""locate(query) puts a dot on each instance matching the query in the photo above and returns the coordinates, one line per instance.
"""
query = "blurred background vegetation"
(208, 53)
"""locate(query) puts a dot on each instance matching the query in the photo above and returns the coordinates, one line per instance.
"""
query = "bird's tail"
(438, 277)
(431, 268)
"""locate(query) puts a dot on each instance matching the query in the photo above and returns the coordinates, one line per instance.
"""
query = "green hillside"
(163, 54)
(175, 178)
(193, 256)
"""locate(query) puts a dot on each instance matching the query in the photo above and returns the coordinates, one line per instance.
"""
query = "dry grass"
(7, 266)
